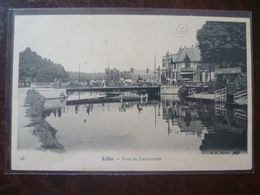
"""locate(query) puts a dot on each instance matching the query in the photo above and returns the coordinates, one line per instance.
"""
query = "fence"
(221, 95)
(220, 109)
(240, 114)
(240, 94)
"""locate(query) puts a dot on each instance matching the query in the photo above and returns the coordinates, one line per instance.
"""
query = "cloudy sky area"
(92, 41)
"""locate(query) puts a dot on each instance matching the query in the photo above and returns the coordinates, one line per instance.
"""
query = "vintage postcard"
(131, 90)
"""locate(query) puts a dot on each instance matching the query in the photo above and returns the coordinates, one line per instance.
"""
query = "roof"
(193, 53)
(174, 57)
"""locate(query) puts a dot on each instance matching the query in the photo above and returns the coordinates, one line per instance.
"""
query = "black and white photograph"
(131, 92)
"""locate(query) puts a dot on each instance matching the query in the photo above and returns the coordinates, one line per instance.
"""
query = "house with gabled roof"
(184, 65)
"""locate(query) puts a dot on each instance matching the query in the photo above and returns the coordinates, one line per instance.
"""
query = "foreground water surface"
(161, 124)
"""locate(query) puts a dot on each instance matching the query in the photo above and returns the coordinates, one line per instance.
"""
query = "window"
(187, 61)
(164, 65)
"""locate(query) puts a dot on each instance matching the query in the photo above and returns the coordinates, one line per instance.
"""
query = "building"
(185, 65)
(227, 75)
(146, 75)
(125, 74)
(112, 75)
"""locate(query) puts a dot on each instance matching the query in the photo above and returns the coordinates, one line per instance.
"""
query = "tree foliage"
(223, 43)
(35, 68)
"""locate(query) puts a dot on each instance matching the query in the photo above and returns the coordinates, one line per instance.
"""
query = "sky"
(95, 42)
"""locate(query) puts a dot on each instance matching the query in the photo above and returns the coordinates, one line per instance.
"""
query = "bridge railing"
(240, 114)
(220, 109)
(221, 95)
(240, 94)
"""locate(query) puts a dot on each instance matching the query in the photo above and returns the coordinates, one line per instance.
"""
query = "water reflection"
(221, 127)
(55, 111)
(218, 127)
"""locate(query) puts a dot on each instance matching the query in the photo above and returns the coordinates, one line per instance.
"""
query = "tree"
(35, 68)
(223, 44)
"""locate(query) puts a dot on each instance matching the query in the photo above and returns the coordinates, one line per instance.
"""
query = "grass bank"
(35, 111)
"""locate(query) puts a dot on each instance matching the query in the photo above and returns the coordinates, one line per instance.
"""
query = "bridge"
(153, 91)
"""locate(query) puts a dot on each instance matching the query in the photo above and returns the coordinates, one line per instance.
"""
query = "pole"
(86, 81)
(79, 73)
(79, 80)
(155, 115)
(154, 69)
(159, 75)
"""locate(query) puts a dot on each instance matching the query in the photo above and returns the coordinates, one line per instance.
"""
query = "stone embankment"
(35, 111)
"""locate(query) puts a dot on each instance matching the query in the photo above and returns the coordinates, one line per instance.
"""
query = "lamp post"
(79, 73)
(154, 69)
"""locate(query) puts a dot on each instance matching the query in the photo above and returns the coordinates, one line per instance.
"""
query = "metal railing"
(240, 114)
(221, 95)
(220, 109)
(240, 94)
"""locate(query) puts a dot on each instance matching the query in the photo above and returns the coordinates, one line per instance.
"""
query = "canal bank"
(42, 129)
(25, 138)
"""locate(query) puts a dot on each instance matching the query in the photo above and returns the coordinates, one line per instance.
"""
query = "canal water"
(165, 123)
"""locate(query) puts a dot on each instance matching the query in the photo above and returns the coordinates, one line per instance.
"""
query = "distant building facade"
(112, 75)
(138, 73)
(185, 65)
(144, 74)
(125, 74)
(227, 75)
